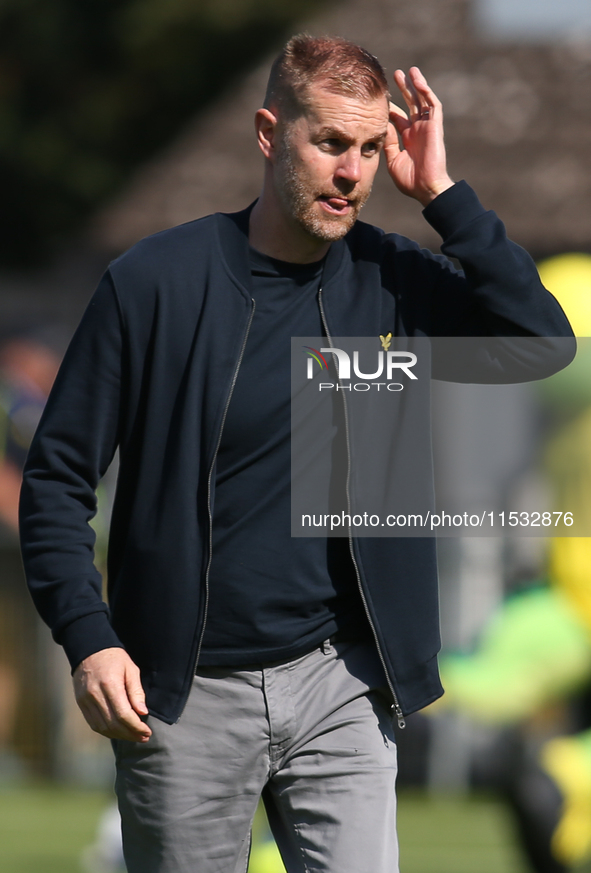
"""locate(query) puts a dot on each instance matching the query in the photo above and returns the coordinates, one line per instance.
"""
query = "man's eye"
(371, 148)
(331, 143)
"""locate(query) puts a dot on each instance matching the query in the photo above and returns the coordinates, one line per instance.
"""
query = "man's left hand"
(418, 168)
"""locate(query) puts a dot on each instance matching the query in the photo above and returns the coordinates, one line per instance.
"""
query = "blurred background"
(121, 117)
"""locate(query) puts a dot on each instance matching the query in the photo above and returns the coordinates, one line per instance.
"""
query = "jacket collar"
(233, 241)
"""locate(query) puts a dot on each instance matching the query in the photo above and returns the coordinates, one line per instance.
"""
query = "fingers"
(419, 170)
(135, 691)
(422, 102)
(409, 93)
(109, 693)
(398, 117)
(398, 123)
(108, 712)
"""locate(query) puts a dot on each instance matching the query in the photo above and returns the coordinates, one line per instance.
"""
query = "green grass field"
(44, 829)
(456, 835)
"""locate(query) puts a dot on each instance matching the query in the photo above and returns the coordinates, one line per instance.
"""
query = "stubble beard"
(299, 197)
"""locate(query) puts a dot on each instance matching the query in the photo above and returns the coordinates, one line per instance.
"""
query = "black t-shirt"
(271, 596)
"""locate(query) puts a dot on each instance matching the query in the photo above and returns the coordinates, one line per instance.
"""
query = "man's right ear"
(265, 123)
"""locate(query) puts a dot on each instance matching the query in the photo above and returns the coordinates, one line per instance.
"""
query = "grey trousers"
(312, 736)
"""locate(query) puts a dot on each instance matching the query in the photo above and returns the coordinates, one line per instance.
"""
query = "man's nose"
(349, 166)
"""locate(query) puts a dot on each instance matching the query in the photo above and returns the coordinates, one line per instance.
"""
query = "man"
(29, 361)
(279, 658)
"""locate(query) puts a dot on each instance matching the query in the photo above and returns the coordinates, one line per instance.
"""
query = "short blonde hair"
(341, 66)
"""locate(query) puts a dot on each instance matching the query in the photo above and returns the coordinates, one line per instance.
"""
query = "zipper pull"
(399, 716)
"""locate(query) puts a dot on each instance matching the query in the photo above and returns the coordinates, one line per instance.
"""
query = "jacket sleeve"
(497, 295)
(72, 448)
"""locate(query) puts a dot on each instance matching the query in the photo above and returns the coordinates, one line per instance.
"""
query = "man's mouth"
(335, 205)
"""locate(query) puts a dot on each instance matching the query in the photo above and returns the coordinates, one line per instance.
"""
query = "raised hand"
(414, 147)
(109, 692)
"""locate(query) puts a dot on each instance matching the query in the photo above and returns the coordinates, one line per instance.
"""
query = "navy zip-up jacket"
(150, 371)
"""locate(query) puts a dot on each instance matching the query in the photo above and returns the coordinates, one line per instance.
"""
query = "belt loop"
(326, 647)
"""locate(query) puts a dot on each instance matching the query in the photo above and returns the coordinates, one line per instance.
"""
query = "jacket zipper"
(397, 708)
(209, 480)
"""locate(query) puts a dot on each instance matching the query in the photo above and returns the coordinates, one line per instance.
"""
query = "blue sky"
(534, 19)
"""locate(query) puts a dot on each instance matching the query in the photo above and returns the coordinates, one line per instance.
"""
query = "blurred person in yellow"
(235, 661)
(536, 650)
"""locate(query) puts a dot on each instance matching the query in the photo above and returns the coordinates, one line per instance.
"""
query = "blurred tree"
(89, 88)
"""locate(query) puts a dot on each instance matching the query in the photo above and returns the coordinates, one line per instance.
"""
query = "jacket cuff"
(453, 209)
(88, 635)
